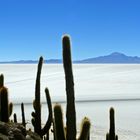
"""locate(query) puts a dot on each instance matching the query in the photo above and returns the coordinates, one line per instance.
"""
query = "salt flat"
(92, 82)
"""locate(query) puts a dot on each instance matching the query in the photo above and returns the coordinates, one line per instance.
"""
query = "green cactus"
(116, 137)
(58, 121)
(70, 112)
(111, 135)
(15, 118)
(6, 108)
(23, 115)
(85, 129)
(112, 125)
(1, 80)
(36, 120)
(107, 136)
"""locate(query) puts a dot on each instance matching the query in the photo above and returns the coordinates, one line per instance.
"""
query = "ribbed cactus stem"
(1, 80)
(47, 126)
(85, 129)
(70, 111)
(112, 124)
(4, 104)
(58, 120)
(23, 115)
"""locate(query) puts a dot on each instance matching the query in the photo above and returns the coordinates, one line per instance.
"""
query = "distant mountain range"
(116, 58)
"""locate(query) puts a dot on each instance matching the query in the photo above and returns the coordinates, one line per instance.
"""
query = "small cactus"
(15, 118)
(58, 122)
(111, 135)
(85, 129)
(1, 80)
(23, 115)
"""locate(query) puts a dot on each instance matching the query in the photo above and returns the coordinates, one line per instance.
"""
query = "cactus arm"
(10, 109)
(70, 113)
(85, 128)
(58, 121)
(49, 122)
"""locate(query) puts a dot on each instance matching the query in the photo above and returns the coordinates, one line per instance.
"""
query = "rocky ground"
(15, 131)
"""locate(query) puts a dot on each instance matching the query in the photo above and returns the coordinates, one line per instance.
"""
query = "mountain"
(116, 58)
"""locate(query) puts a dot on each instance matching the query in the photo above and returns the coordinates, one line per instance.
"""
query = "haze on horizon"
(32, 28)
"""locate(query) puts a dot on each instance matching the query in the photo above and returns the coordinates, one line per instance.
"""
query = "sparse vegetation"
(56, 122)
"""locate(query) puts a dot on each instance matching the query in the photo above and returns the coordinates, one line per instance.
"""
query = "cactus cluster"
(70, 132)
(36, 120)
(55, 116)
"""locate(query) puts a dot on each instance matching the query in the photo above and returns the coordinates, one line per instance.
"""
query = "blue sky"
(30, 28)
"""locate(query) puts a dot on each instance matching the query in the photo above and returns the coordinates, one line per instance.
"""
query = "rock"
(15, 131)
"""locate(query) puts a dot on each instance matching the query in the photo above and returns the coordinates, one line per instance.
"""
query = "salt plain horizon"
(92, 81)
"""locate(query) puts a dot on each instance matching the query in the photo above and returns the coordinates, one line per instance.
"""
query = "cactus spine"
(70, 112)
(36, 121)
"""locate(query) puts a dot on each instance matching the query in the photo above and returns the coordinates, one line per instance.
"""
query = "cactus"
(6, 108)
(58, 121)
(111, 135)
(70, 112)
(36, 120)
(107, 136)
(84, 134)
(59, 131)
(15, 118)
(1, 80)
(23, 115)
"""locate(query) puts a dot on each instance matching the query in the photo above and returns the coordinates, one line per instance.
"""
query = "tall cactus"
(5, 107)
(70, 112)
(36, 121)
(111, 135)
